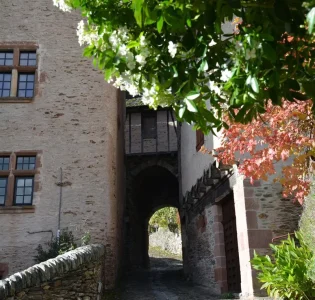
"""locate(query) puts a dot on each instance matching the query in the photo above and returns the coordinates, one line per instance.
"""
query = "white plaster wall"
(194, 163)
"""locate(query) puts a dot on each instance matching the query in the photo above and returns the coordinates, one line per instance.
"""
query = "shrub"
(55, 247)
(286, 273)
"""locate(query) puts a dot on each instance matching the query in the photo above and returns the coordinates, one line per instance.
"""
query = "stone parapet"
(76, 274)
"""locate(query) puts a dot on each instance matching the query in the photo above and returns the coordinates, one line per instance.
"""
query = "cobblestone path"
(164, 281)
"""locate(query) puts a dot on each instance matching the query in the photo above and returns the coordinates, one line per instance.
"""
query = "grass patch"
(161, 253)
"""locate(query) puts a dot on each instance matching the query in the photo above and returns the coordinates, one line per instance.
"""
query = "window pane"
(19, 199)
(2, 55)
(19, 166)
(20, 182)
(27, 199)
(2, 199)
(3, 182)
(28, 182)
(32, 62)
(2, 191)
(5, 93)
(22, 93)
(20, 160)
(32, 159)
(5, 84)
(23, 62)
(30, 85)
(28, 58)
(25, 166)
(20, 191)
(4, 163)
(7, 77)
(1, 62)
(31, 166)
(9, 62)
(28, 191)
(26, 160)
(9, 55)
(26, 85)
(23, 77)
(29, 93)
(24, 56)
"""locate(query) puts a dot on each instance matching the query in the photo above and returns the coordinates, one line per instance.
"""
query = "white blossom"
(214, 87)
(140, 59)
(122, 50)
(114, 39)
(142, 41)
(238, 46)
(225, 75)
(131, 65)
(172, 48)
(62, 5)
(212, 43)
(249, 54)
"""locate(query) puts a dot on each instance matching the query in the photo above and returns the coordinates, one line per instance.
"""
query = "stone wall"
(166, 240)
(77, 274)
(76, 124)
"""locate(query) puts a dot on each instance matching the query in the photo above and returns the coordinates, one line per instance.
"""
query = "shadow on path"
(163, 281)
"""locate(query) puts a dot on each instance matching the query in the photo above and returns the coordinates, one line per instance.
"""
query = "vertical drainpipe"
(60, 202)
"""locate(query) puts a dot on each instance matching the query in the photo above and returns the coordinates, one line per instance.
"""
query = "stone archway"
(152, 188)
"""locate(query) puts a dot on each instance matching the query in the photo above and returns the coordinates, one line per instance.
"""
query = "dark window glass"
(6, 58)
(24, 190)
(5, 84)
(28, 59)
(3, 189)
(26, 85)
(4, 163)
(149, 125)
(25, 162)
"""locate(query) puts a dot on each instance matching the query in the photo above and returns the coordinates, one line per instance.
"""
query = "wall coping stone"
(45, 271)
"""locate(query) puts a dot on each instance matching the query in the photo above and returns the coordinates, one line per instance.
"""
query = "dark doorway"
(153, 188)
(231, 247)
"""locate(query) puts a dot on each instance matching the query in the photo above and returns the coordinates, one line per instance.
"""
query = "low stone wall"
(166, 240)
(77, 274)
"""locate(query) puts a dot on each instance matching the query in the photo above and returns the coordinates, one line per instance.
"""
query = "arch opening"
(153, 188)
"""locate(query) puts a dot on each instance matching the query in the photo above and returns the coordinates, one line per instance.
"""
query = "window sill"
(17, 209)
(16, 100)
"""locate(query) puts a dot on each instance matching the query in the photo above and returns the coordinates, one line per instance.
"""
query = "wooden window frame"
(151, 114)
(12, 174)
(200, 139)
(16, 69)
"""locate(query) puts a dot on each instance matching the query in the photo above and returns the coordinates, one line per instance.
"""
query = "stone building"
(225, 218)
(61, 138)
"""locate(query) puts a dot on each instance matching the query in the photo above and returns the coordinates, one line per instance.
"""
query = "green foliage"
(191, 65)
(166, 217)
(55, 247)
(286, 273)
(307, 222)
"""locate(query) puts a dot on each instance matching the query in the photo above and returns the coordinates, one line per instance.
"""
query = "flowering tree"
(174, 53)
(279, 135)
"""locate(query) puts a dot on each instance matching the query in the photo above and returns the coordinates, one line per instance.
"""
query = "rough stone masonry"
(77, 274)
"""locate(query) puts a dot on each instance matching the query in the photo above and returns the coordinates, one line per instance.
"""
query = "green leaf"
(181, 111)
(192, 95)
(159, 24)
(311, 20)
(254, 84)
(137, 6)
(269, 52)
(191, 105)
